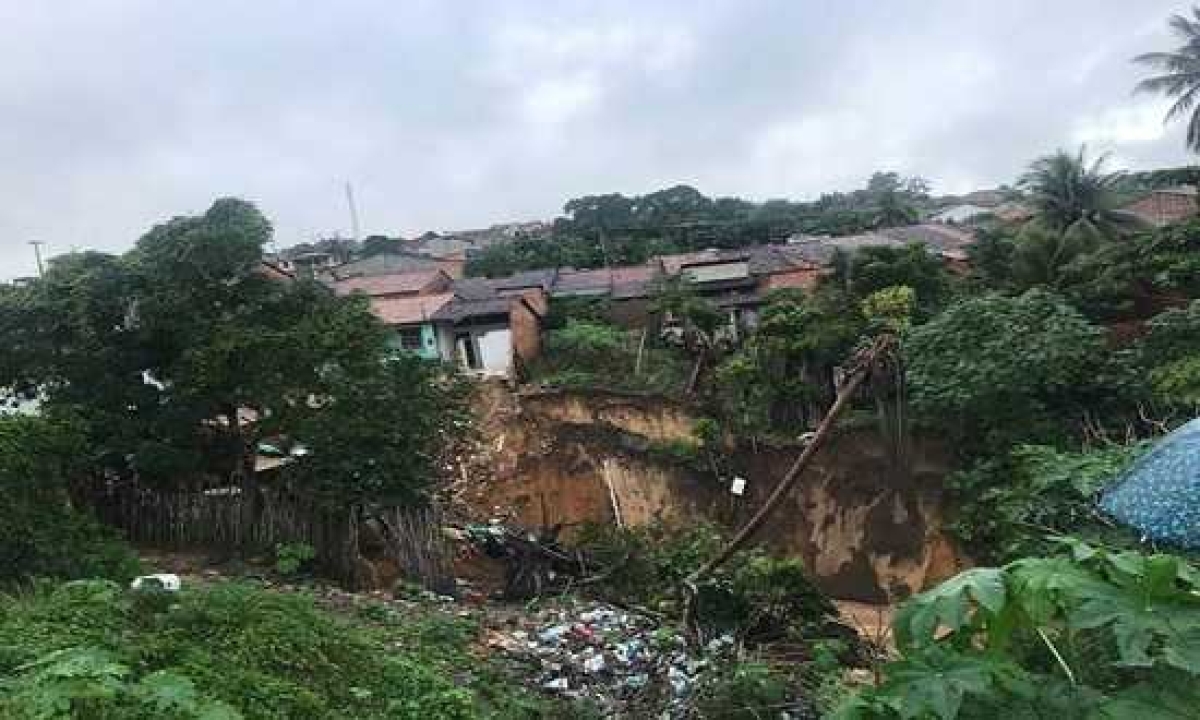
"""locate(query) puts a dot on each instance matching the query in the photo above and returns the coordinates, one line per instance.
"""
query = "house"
(942, 240)
(465, 243)
(1013, 212)
(493, 327)
(411, 319)
(406, 303)
(420, 282)
(1165, 206)
(392, 263)
(723, 278)
(626, 291)
(960, 214)
(273, 270)
(985, 198)
(738, 281)
(307, 264)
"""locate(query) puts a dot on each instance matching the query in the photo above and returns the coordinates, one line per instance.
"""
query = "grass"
(92, 649)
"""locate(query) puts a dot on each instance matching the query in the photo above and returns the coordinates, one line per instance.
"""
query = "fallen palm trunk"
(859, 372)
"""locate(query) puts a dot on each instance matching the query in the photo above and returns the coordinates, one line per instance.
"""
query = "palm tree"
(1181, 74)
(1071, 197)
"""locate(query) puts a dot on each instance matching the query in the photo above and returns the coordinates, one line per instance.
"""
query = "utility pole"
(37, 253)
(353, 212)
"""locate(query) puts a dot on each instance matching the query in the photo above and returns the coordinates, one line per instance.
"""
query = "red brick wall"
(526, 328)
(1163, 208)
(805, 278)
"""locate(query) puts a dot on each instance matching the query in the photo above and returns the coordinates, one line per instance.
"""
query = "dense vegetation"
(1069, 347)
(89, 649)
(604, 230)
(166, 369)
(176, 359)
(1085, 634)
(43, 534)
(1048, 369)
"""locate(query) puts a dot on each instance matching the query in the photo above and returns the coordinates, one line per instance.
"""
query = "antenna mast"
(354, 231)
(37, 253)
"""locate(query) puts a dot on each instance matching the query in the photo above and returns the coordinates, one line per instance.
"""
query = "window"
(410, 339)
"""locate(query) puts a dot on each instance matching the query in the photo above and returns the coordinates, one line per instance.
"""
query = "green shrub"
(993, 370)
(646, 564)
(290, 558)
(753, 595)
(763, 597)
(42, 534)
(588, 345)
(594, 354)
(585, 309)
(88, 650)
(1090, 634)
(90, 683)
(1170, 355)
(746, 691)
(1004, 508)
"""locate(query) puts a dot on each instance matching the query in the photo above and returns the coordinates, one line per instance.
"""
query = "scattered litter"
(160, 581)
(739, 486)
(594, 664)
(621, 661)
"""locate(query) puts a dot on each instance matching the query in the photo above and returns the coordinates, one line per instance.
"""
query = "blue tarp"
(1159, 495)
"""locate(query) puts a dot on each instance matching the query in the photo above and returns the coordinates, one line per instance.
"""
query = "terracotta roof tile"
(408, 310)
(409, 283)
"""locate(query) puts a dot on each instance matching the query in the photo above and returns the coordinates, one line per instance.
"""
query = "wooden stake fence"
(212, 520)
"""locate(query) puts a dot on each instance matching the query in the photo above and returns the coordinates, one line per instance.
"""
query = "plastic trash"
(159, 581)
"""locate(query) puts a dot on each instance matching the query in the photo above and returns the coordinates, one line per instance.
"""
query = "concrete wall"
(493, 341)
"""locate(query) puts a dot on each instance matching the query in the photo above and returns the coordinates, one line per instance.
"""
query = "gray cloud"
(117, 115)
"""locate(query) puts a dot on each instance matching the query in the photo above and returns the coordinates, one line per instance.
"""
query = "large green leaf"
(1182, 650)
(949, 605)
(936, 682)
(1158, 701)
(1046, 587)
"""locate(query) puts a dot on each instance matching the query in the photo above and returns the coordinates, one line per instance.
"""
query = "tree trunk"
(246, 482)
(694, 378)
(860, 372)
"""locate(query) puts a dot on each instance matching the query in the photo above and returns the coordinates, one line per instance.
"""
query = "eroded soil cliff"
(866, 521)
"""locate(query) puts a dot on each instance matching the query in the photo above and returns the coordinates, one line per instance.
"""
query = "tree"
(600, 211)
(1070, 196)
(991, 256)
(1170, 355)
(1181, 74)
(697, 320)
(1137, 278)
(381, 245)
(894, 212)
(872, 269)
(1041, 255)
(994, 369)
(782, 378)
(178, 357)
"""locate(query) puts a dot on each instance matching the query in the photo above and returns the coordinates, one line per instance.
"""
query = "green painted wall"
(429, 347)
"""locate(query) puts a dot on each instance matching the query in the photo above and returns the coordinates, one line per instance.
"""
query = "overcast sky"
(117, 115)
